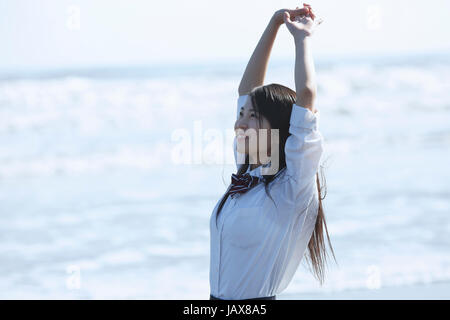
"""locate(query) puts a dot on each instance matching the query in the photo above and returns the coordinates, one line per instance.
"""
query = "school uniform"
(256, 246)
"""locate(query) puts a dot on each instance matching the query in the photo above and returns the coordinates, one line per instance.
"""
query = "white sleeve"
(239, 157)
(304, 148)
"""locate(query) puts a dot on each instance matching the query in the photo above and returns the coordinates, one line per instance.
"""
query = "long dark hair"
(274, 102)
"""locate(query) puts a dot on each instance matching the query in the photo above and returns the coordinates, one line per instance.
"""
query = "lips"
(241, 136)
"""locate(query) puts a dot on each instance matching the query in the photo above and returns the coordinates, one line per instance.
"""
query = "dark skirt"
(211, 297)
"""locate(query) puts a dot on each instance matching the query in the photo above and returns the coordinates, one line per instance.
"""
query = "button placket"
(221, 224)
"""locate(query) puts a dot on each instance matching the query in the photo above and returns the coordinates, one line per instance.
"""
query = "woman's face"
(248, 137)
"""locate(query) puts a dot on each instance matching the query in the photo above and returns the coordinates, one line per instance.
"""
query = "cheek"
(253, 123)
(252, 126)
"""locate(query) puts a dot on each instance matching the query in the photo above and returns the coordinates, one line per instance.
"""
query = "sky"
(52, 34)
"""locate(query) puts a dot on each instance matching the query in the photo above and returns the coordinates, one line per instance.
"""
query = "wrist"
(275, 21)
(301, 38)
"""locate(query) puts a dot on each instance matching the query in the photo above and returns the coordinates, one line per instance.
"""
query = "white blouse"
(256, 246)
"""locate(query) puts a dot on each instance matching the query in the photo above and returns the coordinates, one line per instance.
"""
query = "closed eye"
(252, 115)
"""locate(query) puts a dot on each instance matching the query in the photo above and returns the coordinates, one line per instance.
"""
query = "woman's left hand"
(293, 13)
(301, 26)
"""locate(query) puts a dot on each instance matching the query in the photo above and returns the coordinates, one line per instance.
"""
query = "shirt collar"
(257, 171)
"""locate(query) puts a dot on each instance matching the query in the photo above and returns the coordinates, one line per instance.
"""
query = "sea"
(108, 175)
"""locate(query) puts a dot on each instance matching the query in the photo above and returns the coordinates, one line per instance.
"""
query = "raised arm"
(305, 75)
(304, 146)
(255, 71)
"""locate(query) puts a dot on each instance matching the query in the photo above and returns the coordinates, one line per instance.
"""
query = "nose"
(240, 125)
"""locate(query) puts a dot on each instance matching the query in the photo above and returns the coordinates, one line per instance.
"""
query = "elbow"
(240, 89)
(243, 90)
(307, 96)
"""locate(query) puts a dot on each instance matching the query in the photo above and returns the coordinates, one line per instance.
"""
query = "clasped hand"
(301, 22)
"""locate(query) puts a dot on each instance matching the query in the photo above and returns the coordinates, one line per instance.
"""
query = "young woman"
(272, 210)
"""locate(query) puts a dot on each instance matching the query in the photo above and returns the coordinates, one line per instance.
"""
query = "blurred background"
(114, 149)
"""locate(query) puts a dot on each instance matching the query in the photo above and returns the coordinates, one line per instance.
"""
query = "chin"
(242, 151)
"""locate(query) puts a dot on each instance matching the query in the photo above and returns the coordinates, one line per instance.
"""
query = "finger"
(311, 14)
(299, 11)
(287, 17)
